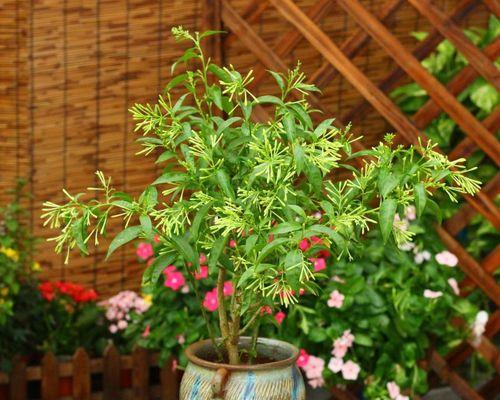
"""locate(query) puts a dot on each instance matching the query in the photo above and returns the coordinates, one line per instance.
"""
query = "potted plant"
(247, 195)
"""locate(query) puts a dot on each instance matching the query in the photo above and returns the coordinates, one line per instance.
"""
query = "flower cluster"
(313, 368)
(120, 307)
(49, 291)
(350, 370)
(319, 261)
(211, 300)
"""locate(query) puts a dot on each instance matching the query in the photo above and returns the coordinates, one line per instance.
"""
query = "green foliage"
(230, 178)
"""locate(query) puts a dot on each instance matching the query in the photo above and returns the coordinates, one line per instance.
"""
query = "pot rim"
(193, 348)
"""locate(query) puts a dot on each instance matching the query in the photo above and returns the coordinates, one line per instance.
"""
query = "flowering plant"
(380, 314)
(71, 318)
(244, 193)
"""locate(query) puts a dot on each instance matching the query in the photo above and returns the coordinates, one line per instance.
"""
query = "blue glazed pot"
(279, 379)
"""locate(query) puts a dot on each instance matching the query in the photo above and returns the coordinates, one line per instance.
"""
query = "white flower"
(422, 256)
(447, 258)
(335, 364)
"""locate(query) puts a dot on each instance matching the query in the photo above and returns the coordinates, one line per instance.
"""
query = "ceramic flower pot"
(277, 379)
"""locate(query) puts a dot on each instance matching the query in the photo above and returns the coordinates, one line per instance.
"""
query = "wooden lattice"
(338, 61)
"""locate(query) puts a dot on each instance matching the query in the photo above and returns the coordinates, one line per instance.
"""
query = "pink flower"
(232, 243)
(113, 328)
(181, 339)
(279, 317)
(317, 215)
(203, 259)
(150, 261)
(303, 358)
(211, 302)
(336, 299)
(348, 337)
(340, 348)
(122, 324)
(304, 244)
(175, 364)
(431, 294)
(314, 368)
(319, 264)
(316, 382)
(144, 251)
(156, 239)
(228, 289)
(447, 258)
(422, 256)
(335, 364)
(393, 389)
(454, 285)
(175, 280)
(147, 331)
(350, 371)
(271, 238)
(202, 274)
(316, 240)
(410, 213)
(185, 289)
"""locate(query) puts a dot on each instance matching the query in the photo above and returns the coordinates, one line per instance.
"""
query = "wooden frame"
(480, 134)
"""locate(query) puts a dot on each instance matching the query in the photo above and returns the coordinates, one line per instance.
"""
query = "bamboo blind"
(70, 69)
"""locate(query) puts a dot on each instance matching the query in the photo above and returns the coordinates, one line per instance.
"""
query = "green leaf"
(286, 227)
(314, 178)
(176, 81)
(146, 224)
(246, 275)
(225, 183)
(387, 182)
(170, 177)
(299, 157)
(198, 219)
(149, 198)
(216, 251)
(219, 73)
(420, 198)
(279, 80)
(269, 100)
(434, 210)
(250, 243)
(268, 248)
(226, 124)
(323, 127)
(297, 210)
(363, 340)
(155, 269)
(336, 237)
(386, 217)
(289, 125)
(125, 236)
(165, 156)
(79, 233)
(185, 249)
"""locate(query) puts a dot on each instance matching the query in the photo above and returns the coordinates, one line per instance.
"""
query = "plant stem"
(228, 340)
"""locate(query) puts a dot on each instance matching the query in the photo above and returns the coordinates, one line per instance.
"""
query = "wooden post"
(140, 374)
(18, 380)
(111, 373)
(212, 45)
(169, 384)
(81, 375)
(50, 377)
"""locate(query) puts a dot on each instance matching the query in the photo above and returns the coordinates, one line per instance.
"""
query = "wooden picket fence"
(137, 376)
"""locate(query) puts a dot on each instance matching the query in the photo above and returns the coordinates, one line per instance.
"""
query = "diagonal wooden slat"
(422, 50)
(470, 266)
(494, 6)
(466, 146)
(490, 264)
(457, 383)
(289, 40)
(454, 34)
(490, 389)
(326, 73)
(251, 14)
(368, 89)
(460, 220)
(470, 125)
(464, 78)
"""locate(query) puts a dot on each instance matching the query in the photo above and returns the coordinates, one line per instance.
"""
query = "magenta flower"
(203, 259)
(228, 288)
(447, 258)
(169, 269)
(350, 371)
(202, 274)
(144, 251)
(279, 317)
(319, 264)
(304, 245)
(431, 294)
(147, 331)
(303, 358)
(175, 280)
(211, 302)
(336, 299)
(232, 243)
